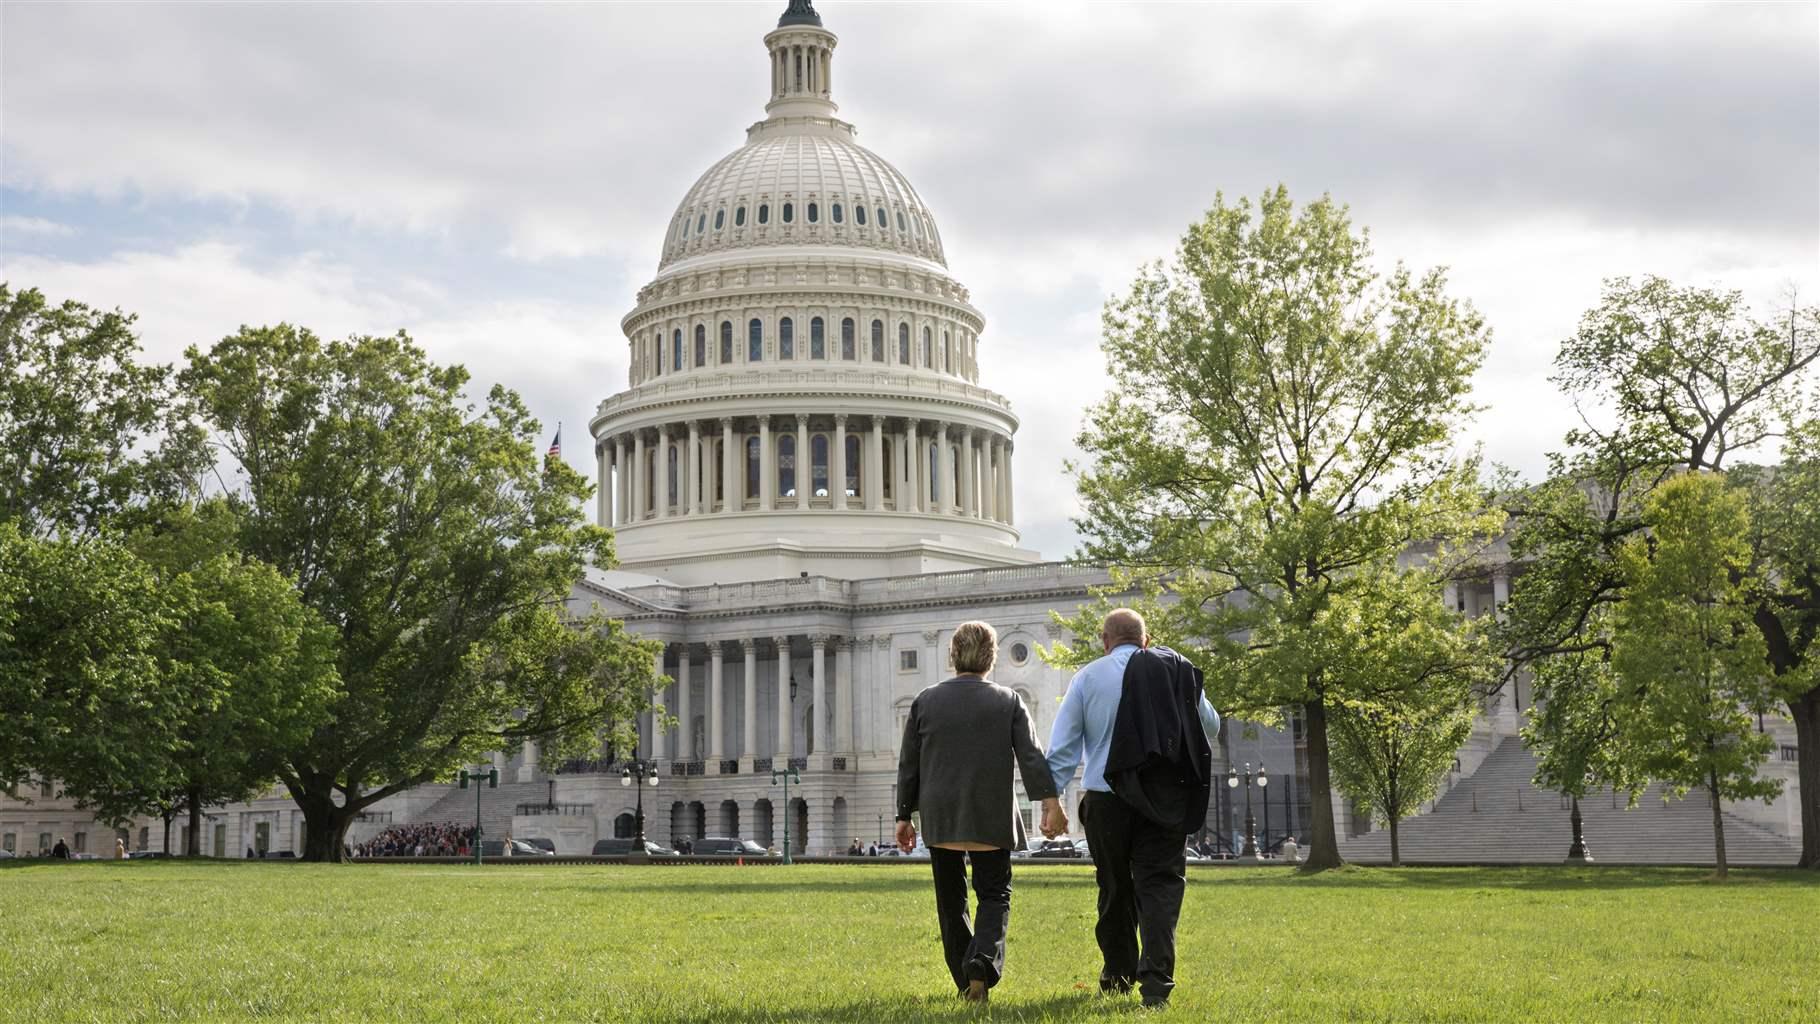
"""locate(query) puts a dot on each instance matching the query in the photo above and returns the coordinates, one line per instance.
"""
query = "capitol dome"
(803, 383)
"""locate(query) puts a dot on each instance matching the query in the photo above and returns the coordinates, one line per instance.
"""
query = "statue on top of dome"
(800, 12)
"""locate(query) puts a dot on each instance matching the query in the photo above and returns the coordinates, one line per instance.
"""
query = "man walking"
(1130, 718)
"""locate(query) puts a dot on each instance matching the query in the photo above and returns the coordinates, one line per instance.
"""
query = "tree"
(424, 531)
(1691, 662)
(85, 430)
(1687, 378)
(1279, 423)
(1390, 750)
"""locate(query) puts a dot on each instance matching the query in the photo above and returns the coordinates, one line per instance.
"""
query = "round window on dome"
(859, 216)
(789, 212)
(720, 219)
(764, 213)
(739, 217)
(814, 214)
(835, 213)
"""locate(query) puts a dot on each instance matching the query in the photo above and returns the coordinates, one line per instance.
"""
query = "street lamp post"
(1232, 782)
(491, 777)
(639, 773)
(787, 776)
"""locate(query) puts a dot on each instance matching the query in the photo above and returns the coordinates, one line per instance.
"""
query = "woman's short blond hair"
(974, 648)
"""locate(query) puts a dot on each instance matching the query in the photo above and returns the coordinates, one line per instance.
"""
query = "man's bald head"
(1124, 626)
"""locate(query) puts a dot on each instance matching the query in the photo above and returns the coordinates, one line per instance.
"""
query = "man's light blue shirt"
(1089, 709)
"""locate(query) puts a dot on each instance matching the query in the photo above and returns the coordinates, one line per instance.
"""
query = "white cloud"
(15, 225)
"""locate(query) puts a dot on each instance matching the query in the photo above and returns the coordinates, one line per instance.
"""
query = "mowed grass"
(147, 940)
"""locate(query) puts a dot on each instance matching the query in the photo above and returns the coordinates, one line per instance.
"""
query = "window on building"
(859, 216)
(10, 842)
(145, 836)
(789, 212)
(685, 228)
(45, 790)
(701, 345)
(878, 341)
(935, 479)
(928, 348)
(81, 845)
(786, 339)
(835, 213)
(947, 353)
(818, 465)
(906, 660)
(675, 478)
(818, 342)
(44, 843)
(848, 348)
(677, 348)
(753, 456)
(853, 469)
(701, 223)
(903, 344)
(786, 466)
(814, 213)
(902, 228)
(1020, 653)
(755, 340)
(739, 217)
(720, 219)
(726, 342)
(883, 222)
(887, 474)
(764, 213)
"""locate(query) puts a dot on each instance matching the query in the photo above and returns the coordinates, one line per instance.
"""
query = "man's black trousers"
(976, 951)
(1141, 871)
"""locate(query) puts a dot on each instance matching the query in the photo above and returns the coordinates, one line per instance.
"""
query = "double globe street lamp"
(638, 773)
(1232, 782)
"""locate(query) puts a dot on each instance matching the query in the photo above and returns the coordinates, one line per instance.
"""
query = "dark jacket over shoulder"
(961, 741)
(1159, 760)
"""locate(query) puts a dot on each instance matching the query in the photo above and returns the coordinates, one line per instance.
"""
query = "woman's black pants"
(973, 950)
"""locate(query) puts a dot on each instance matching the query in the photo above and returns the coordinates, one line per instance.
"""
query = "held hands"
(906, 836)
(1055, 820)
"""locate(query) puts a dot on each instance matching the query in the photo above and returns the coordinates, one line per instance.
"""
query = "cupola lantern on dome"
(800, 12)
(802, 59)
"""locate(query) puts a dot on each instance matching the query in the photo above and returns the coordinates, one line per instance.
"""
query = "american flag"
(555, 451)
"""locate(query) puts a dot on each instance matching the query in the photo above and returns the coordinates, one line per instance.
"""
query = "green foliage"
(85, 431)
(1278, 428)
(424, 530)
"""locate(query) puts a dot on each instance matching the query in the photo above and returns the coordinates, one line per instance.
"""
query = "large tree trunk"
(1718, 824)
(1323, 842)
(1806, 713)
(325, 827)
(1396, 852)
(194, 828)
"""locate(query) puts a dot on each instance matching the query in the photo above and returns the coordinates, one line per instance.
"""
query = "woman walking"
(961, 741)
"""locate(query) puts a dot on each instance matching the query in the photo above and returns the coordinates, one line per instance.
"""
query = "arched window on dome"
(685, 230)
(701, 346)
(677, 349)
(902, 228)
(789, 212)
(928, 349)
(818, 342)
(764, 213)
(786, 465)
(834, 212)
(847, 347)
(883, 221)
(814, 213)
(720, 219)
(878, 341)
(903, 344)
(859, 216)
(818, 466)
(701, 222)
(739, 217)
(854, 476)
(675, 477)
(786, 339)
(753, 461)
(726, 342)
(755, 340)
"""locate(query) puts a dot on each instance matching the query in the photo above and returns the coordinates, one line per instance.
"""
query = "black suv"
(722, 846)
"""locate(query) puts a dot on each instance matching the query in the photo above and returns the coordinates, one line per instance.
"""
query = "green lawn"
(234, 941)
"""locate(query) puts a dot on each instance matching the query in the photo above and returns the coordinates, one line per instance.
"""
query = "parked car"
(1059, 849)
(6, 855)
(723, 846)
(546, 845)
(147, 855)
(621, 847)
(526, 848)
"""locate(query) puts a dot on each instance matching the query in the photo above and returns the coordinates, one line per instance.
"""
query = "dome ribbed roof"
(721, 212)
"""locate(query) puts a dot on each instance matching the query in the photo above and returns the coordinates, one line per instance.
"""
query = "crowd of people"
(428, 839)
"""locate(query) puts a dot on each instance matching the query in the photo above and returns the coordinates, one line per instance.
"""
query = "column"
(603, 493)
(837, 463)
(659, 734)
(969, 475)
(1450, 595)
(843, 695)
(748, 747)
(944, 472)
(875, 466)
(717, 707)
(732, 481)
(638, 476)
(805, 486)
(1500, 593)
(663, 472)
(782, 749)
(989, 479)
(622, 485)
(1004, 486)
(691, 463)
(818, 647)
(913, 473)
(685, 703)
(767, 465)
(527, 768)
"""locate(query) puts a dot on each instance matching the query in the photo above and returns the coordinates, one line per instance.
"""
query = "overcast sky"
(496, 179)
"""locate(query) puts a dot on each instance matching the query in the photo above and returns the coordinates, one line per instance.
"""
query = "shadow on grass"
(1066, 1006)
(1538, 878)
